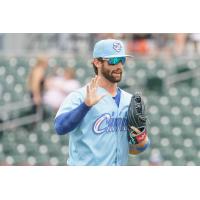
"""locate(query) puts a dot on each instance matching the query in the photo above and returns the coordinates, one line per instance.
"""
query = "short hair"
(94, 67)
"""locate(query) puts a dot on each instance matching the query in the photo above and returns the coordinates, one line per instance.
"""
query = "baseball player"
(104, 122)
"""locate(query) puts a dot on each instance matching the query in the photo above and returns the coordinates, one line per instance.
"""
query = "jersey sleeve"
(72, 101)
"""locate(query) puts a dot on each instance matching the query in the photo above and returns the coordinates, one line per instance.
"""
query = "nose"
(118, 66)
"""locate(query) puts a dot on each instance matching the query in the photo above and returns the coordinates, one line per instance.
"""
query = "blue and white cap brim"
(113, 56)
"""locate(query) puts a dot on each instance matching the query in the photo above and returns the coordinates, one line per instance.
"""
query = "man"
(95, 116)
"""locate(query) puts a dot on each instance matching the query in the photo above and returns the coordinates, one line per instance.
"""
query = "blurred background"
(37, 71)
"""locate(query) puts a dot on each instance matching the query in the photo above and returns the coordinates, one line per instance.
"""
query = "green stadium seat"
(31, 160)
(64, 150)
(20, 159)
(195, 101)
(2, 159)
(9, 147)
(195, 122)
(196, 160)
(55, 139)
(154, 119)
(42, 159)
(176, 141)
(194, 92)
(54, 161)
(190, 153)
(64, 139)
(187, 111)
(9, 160)
(43, 149)
(54, 149)
(153, 100)
(167, 163)
(178, 162)
(176, 120)
(165, 130)
(133, 161)
(32, 148)
(188, 131)
(183, 90)
(155, 140)
(174, 100)
(196, 112)
(21, 135)
(144, 162)
(44, 138)
(165, 120)
(165, 142)
(33, 137)
(164, 110)
(196, 142)
(167, 152)
(62, 160)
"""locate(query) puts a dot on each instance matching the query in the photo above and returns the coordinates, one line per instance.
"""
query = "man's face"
(113, 73)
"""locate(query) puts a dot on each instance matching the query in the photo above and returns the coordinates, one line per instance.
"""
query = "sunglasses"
(116, 60)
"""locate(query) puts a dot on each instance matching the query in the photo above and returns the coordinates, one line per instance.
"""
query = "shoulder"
(72, 100)
(78, 93)
(81, 91)
(126, 94)
(38, 71)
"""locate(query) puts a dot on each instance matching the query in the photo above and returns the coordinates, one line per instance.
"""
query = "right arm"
(68, 121)
(35, 85)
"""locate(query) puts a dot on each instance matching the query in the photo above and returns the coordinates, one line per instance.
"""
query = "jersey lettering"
(106, 124)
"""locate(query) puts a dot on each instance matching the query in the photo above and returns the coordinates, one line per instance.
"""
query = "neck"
(107, 85)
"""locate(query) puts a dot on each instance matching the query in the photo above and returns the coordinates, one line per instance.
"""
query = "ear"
(97, 63)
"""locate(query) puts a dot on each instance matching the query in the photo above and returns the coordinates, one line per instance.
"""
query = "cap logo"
(117, 46)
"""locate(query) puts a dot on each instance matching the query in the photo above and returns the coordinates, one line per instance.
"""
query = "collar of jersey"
(103, 90)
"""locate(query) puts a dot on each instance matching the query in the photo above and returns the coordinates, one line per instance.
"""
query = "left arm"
(140, 147)
(136, 122)
(142, 142)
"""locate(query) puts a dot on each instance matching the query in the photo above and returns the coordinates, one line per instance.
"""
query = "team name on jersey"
(106, 124)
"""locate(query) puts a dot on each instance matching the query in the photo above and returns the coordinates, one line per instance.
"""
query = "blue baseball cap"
(109, 48)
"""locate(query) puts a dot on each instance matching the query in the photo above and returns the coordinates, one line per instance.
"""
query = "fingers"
(96, 79)
(136, 130)
(88, 90)
(94, 83)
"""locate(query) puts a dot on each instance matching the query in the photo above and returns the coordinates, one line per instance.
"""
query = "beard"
(113, 76)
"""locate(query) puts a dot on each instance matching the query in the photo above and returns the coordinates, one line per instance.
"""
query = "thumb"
(136, 130)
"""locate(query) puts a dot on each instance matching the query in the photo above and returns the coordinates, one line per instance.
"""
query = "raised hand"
(91, 97)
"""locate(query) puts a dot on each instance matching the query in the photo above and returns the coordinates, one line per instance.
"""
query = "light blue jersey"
(101, 136)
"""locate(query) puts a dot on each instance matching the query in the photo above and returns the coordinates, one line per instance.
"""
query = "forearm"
(66, 122)
(35, 83)
(36, 89)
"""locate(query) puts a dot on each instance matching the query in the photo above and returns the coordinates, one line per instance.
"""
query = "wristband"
(136, 139)
(144, 147)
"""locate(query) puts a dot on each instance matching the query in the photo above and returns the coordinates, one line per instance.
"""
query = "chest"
(107, 117)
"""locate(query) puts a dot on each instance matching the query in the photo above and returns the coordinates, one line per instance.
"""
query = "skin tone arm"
(37, 77)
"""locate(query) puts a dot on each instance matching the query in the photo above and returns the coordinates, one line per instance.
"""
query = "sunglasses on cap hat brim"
(115, 60)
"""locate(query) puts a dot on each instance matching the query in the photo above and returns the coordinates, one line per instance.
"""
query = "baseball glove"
(136, 120)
